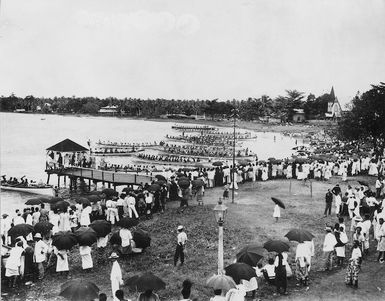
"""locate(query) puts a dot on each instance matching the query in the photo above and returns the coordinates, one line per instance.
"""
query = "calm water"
(25, 137)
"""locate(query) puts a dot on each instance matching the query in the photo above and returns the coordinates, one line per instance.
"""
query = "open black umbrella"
(154, 188)
(93, 198)
(240, 270)
(54, 200)
(115, 239)
(101, 227)
(109, 192)
(43, 227)
(79, 290)
(278, 202)
(20, 230)
(145, 282)
(161, 178)
(36, 201)
(127, 222)
(198, 183)
(64, 240)
(250, 255)
(86, 236)
(142, 239)
(184, 183)
(217, 163)
(299, 235)
(61, 205)
(278, 246)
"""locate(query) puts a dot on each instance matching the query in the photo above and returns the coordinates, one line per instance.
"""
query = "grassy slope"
(248, 221)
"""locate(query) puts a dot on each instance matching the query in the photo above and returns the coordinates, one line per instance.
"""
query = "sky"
(196, 49)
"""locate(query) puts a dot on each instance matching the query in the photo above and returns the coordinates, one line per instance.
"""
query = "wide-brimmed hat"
(180, 227)
(37, 235)
(113, 255)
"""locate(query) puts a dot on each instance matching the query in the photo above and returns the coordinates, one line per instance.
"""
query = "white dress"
(62, 264)
(277, 211)
(85, 253)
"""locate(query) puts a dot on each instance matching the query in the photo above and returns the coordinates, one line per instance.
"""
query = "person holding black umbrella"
(280, 274)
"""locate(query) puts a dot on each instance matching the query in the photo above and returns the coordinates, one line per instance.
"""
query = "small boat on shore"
(43, 190)
(117, 153)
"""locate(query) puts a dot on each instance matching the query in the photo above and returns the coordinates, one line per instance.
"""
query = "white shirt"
(40, 251)
(18, 220)
(116, 273)
(5, 224)
(329, 242)
(182, 238)
(356, 253)
(126, 236)
(85, 216)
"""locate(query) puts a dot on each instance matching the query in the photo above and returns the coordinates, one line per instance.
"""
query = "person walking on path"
(181, 242)
(116, 275)
(277, 212)
(328, 201)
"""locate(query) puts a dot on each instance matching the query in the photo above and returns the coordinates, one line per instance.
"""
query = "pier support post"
(58, 181)
(49, 175)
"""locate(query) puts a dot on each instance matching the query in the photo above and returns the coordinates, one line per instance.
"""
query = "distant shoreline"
(247, 125)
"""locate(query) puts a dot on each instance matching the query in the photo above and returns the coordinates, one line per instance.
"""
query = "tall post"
(220, 247)
(234, 115)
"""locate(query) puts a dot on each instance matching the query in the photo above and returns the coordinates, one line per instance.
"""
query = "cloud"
(142, 20)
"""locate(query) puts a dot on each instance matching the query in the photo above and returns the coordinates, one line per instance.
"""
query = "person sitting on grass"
(269, 271)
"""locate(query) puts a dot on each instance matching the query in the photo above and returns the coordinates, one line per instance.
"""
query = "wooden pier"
(97, 175)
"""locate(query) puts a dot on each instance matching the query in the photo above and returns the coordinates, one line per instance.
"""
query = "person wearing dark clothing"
(173, 190)
(328, 201)
(336, 190)
(280, 274)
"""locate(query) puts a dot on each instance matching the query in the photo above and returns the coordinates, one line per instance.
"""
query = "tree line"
(281, 107)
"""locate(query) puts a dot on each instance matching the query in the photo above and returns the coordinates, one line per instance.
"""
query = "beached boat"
(43, 190)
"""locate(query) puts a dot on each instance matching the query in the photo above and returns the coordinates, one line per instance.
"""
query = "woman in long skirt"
(85, 253)
(62, 266)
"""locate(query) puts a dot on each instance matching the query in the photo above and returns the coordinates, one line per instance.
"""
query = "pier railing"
(117, 178)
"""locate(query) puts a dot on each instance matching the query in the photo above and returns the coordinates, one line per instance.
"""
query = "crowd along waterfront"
(25, 137)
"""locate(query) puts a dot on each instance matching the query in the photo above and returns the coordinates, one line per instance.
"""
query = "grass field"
(249, 220)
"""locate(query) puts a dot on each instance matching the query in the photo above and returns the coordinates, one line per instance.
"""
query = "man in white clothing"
(40, 254)
(116, 275)
(130, 201)
(5, 226)
(328, 248)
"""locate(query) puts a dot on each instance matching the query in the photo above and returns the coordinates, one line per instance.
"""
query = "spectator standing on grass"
(269, 271)
(381, 241)
(354, 266)
(281, 274)
(328, 248)
(40, 254)
(277, 212)
(328, 203)
(180, 247)
(116, 275)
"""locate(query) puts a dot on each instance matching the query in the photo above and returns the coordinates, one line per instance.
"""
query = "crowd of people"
(58, 160)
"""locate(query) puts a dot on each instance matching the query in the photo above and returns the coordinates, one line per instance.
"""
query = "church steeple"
(332, 93)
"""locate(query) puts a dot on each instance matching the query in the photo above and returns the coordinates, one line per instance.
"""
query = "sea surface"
(24, 139)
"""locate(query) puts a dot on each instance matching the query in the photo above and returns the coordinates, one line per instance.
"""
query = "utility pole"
(234, 115)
